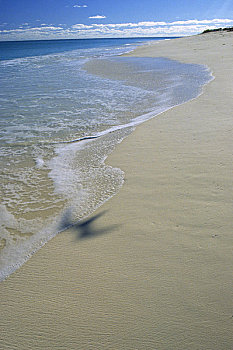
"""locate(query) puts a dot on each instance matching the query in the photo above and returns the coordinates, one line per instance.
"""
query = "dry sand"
(159, 276)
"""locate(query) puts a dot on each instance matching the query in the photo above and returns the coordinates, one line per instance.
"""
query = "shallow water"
(60, 116)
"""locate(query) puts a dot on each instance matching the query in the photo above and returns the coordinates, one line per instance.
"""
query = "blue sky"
(54, 19)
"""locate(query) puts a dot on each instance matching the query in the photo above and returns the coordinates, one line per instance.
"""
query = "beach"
(152, 267)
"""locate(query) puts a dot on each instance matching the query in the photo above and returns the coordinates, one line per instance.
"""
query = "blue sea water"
(18, 49)
(64, 105)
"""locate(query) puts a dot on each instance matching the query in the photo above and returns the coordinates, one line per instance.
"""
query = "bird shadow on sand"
(85, 229)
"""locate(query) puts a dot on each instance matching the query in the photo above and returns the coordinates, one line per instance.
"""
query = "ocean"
(64, 106)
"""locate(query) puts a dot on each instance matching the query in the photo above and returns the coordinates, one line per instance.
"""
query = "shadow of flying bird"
(85, 228)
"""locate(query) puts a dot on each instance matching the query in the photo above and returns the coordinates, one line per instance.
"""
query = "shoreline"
(192, 77)
(155, 272)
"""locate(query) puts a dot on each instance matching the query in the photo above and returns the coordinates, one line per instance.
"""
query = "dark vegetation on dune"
(228, 29)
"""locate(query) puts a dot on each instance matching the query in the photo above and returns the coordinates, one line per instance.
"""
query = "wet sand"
(152, 268)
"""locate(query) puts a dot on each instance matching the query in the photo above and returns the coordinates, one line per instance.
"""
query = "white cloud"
(80, 30)
(117, 25)
(151, 24)
(32, 30)
(97, 17)
(81, 26)
(80, 6)
(205, 21)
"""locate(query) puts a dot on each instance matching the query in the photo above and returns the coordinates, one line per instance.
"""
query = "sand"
(156, 270)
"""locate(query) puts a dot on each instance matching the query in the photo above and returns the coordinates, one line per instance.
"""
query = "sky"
(78, 19)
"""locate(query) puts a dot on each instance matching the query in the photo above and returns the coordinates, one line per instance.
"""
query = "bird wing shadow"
(86, 228)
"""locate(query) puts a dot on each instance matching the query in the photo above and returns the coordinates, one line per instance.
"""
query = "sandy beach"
(152, 268)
